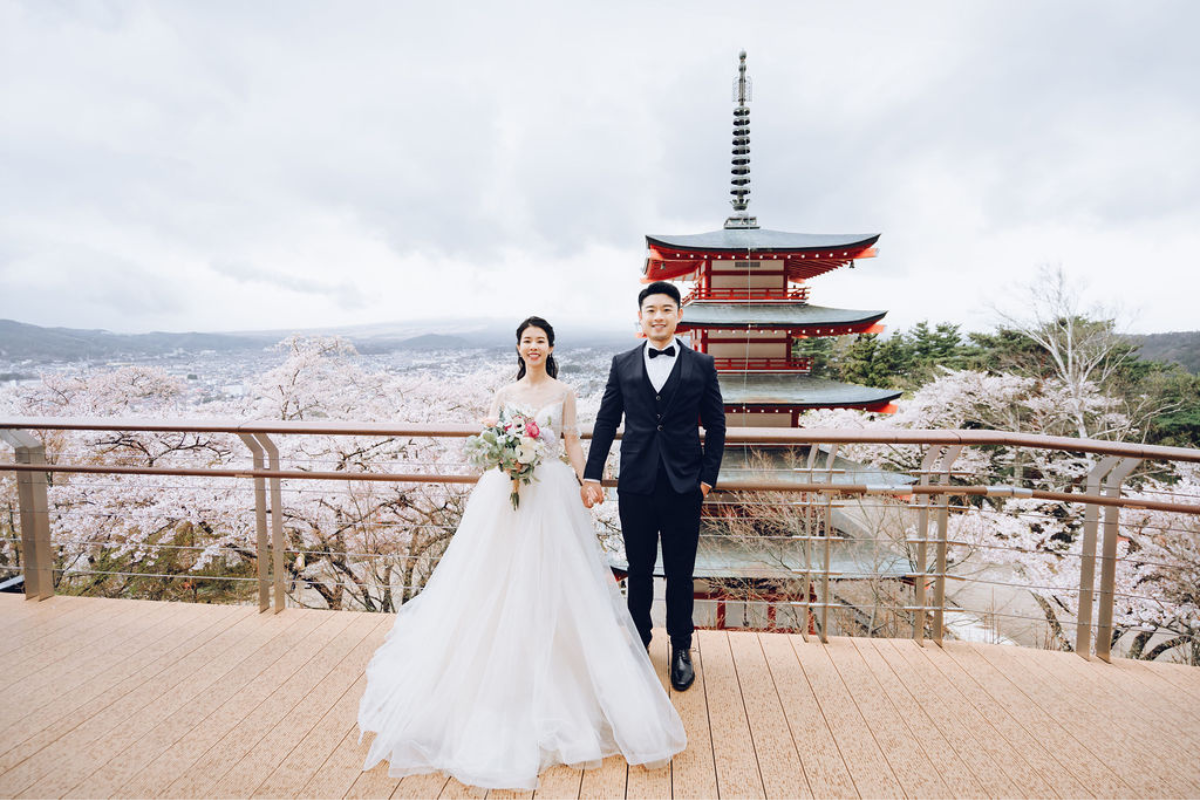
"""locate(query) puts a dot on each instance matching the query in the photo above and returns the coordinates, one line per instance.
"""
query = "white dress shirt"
(658, 369)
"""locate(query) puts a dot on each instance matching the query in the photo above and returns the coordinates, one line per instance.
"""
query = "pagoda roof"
(763, 240)
(707, 314)
(772, 464)
(805, 255)
(798, 391)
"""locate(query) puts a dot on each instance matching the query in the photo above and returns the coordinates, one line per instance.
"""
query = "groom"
(662, 388)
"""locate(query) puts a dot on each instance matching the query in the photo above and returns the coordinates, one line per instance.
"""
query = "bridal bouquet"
(513, 445)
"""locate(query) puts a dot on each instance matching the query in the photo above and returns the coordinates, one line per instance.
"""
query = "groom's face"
(659, 316)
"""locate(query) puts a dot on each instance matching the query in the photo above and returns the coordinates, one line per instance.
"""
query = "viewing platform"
(128, 698)
(144, 698)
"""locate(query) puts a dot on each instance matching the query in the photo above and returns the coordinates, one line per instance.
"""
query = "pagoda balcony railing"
(798, 365)
(793, 294)
(900, 515)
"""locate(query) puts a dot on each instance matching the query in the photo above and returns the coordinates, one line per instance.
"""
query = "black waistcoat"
(661, 398)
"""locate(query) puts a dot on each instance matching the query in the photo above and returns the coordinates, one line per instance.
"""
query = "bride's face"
(534, 347)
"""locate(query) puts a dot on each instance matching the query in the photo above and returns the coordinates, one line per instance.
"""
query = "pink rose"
(532, 429)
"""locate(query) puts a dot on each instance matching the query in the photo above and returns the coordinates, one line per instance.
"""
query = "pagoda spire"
(741, 151)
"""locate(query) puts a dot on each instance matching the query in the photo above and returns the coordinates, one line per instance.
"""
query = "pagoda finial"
(741, 151)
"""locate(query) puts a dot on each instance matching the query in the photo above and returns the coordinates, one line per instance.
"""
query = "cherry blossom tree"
(1039, 543)
(126, 524)
(372, 545)
(1082, 346)
(350, 544)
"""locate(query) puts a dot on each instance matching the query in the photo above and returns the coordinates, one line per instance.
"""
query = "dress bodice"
(549, 420)
(552, 407)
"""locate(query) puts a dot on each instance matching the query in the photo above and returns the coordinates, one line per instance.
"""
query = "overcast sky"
(245, 165)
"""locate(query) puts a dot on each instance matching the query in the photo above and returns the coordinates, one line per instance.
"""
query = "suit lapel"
(683, 369)
(641, 370)
(685, 366)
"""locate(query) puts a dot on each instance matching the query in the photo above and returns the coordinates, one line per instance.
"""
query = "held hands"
(591, 494)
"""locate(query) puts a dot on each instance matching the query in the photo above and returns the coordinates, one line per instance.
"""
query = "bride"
(519, 654)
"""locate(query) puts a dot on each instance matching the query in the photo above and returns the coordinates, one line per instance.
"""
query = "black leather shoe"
(682, 673)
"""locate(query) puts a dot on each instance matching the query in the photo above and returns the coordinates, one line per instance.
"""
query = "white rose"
(526, 454)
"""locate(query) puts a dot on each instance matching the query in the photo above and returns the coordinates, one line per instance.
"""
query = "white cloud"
(236, 166)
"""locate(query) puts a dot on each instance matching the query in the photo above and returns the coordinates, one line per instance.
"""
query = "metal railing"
(812, 485)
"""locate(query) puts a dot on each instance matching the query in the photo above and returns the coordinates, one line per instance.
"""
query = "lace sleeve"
(493, 413)
(570, 422)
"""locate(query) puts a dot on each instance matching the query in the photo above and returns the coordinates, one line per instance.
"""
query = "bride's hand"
(592, 494)
(489, 422)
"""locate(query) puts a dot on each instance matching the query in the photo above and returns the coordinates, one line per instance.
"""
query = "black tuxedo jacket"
(661, 426)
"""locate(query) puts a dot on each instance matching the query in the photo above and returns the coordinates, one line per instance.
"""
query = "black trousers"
(675, 518)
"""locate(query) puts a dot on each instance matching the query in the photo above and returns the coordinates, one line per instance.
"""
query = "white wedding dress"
(519, 654)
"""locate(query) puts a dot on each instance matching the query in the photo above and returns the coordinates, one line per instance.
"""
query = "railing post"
(937, 461)
(809, 528)
(276, 520)
(939, 583)
(922, 500)
(35, 515)
(828, 507)
(260, 517)
(1108, 560)
(1087, 561)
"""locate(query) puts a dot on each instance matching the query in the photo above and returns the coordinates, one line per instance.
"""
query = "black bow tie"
(668, 351)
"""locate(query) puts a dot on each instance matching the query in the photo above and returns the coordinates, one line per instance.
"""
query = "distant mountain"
(1181, 347)
(462, 333)
(20, 341)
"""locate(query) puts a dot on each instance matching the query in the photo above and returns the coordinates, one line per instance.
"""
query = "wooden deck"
(122, 698)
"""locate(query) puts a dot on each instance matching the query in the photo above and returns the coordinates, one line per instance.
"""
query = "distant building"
(748, 303)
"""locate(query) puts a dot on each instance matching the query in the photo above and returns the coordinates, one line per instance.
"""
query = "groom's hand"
(592, 493)
(705, 489)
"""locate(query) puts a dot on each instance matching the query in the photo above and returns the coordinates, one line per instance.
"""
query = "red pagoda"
(749, 302)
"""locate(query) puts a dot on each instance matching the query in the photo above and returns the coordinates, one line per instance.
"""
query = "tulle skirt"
(519, 654)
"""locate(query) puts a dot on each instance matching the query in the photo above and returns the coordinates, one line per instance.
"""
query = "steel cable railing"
(837, 547)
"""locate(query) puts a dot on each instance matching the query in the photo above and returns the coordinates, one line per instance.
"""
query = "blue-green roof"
(709, 314)
(762, 240)
(804, 391)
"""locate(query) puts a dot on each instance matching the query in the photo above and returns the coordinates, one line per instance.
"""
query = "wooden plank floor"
(123, 698)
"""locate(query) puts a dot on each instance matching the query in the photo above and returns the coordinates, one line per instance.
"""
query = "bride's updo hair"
(551, 364)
